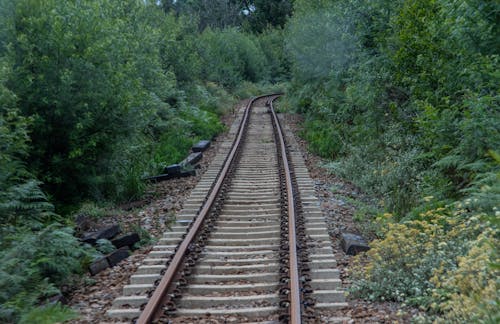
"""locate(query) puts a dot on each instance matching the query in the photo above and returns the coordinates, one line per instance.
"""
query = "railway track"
(250, 245)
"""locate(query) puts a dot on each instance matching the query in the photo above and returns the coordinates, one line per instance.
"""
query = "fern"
(48, 314)
(484, 191)
(33, 265)
(450, 162)
(25, 202)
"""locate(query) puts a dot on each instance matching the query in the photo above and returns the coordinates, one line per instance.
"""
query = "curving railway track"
(250, 245)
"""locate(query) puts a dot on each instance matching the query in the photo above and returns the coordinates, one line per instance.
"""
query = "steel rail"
(295, 305)
(152, 308)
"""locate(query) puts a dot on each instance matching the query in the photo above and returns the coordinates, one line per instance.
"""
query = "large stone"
(126, 240)
(352, 244)
(115, 257)
(107, 233)
(98, 266)
(201, 146)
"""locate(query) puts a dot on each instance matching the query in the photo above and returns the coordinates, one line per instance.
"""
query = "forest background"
(401, 97)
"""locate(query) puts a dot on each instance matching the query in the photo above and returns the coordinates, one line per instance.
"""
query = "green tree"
(89, 75)
(230, 56)
(35, 259)
(210, 13)
(262, 14)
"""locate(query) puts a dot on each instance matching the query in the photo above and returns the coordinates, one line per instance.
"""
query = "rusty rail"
(152, 310)
(294, 298)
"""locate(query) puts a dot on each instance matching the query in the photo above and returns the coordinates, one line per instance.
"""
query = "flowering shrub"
(441, 262)
(470, 292)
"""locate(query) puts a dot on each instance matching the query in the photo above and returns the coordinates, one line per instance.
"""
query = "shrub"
(48, 314)
(230, 56)
(469, 293)
(211, 97)
(444, 261)
(86, 87)
(401, 264)
(323, 139)
(33, 264)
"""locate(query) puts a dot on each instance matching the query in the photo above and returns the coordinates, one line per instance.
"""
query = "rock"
(126, 240)
(107, 233)
(98, 266)
(201, 146)
(352, 244)
(118, 255)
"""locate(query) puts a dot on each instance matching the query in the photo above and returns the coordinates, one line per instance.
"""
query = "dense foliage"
(95, 86)
(404, 96)
(37, 252)
(108, 83)
(251, 15)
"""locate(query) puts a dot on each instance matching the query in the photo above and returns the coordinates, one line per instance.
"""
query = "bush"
(211, 97)
(93, 80)
(469, 293)
(410, 87)
(230, 56)
(402, 263)
(33, 264)
(48, 314)
(105, 84)
(34, 258)
(323, 139)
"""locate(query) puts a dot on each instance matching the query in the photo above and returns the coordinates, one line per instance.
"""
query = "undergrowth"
(405, 104)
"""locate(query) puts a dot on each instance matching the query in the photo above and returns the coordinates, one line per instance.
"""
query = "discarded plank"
(115, 257)
(192, 159)
(107, 232)
(172, 169)
(160, 177)
(201, 146)
(188, 173)
(126, 240)
(163, 177)
(352, 244)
